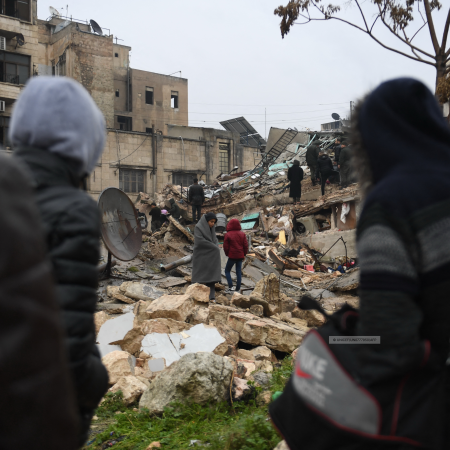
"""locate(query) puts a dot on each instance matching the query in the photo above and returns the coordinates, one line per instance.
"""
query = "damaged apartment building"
(149, 141)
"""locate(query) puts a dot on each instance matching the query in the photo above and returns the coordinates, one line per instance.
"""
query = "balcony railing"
(9, 78)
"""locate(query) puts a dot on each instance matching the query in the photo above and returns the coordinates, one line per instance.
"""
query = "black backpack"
(326, 406)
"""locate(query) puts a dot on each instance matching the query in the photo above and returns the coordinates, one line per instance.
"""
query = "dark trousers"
(313, 170)
(324, 176)
(345, 176)
(212, 290)
(228, 267)
(196, 210)
(156, 225)
(296, 199)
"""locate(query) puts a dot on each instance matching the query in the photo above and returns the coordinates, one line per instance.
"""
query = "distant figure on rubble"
(295, 176)
(59, 133)
(37, 400)
(155, 214)
(174, 209)
(206, 264)
(337, 149)
(312, 154)
(325, 169)
(344, 166)
(394, 394)
(235, 246)
(196, 198)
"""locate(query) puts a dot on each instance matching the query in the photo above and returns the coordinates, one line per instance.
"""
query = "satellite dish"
(96, 27)
(335, 116)
(121, 230)
(295, 129)
(20, 39)
(54, 11)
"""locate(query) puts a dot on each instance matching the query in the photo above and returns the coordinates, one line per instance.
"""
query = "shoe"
(212, 300)
(229, 290)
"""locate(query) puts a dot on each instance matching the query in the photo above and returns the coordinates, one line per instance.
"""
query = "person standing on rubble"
(196, 198)
(59, 133)
(206, 264)
(337, 150)
(235, 246)
(295, 176)
(344, 166)
(325, 169)
(155, 214)
(174, 209)
(312, 154)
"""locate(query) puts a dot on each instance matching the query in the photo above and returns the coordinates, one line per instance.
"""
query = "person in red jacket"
(235, 246)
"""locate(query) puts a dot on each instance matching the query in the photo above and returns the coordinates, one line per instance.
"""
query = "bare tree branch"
(417, 32)
(445, 35)
(431, 26)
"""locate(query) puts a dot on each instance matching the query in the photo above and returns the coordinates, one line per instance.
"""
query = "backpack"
(326, 406)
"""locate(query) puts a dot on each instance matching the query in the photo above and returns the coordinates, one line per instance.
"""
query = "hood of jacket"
(171, 201)
(207, 232)
(234, 225)
(323, 157)
(401, 146)
(57, 114)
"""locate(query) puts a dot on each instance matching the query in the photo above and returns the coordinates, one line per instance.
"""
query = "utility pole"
(265, 125)
(351, 109)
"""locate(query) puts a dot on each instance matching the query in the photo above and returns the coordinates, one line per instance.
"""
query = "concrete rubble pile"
(160, 337)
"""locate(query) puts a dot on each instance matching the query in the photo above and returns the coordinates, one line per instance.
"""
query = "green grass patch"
(133, 269)
(224, 427)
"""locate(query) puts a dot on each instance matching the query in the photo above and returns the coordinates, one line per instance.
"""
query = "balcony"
(9, 78)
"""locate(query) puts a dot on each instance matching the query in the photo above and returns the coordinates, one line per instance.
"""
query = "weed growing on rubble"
(224, 427)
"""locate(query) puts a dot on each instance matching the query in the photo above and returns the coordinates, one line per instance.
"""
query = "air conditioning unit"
(2, 106)
(2, 43)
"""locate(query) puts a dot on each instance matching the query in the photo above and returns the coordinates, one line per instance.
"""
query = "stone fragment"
(264, 398)
(200, 315)
(143, 380)
(167, 326)
(140, 291)
(301, 323)
(219, 314)
(285, 317)
(312, 317)
(118, 364)
(140, 308)
(269, 288)
(264, 366)
(177, 307)
(132, 388)
(257, 310)
(294, 274)
(223, 300)
(154, 445)
(198, 292)
(282, 446)
(268, 308)
(245, 368)
(240, 389)
(131, 342)
(201, 378)
(99, 319)
(241, 301)
(246, 354)
(263, 353)
(262, 378)
(114, 330)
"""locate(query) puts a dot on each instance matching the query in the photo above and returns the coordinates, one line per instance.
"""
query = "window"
(16, 8)
(132, 180)
(149, 130)
(124, 123)
(14, 68)
(4, 125)
(174, 100)
(117, 93)
(186, 179)
(116, 55)
(59, 69)
(149, 95)
(224, 150)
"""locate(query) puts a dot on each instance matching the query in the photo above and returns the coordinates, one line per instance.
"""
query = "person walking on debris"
(295, 176)
(155, 213)
(206, 264)
(325, 169)
(345, 165)
(337, 150)
(57, 130)
(174, 210)
(196, 198)
(37, 401)
(235, 246)
(312, 154)
(394, 394)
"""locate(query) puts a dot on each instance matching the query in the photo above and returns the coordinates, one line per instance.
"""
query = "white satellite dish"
(54, 11)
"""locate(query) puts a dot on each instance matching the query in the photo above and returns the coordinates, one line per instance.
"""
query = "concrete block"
(309, 223)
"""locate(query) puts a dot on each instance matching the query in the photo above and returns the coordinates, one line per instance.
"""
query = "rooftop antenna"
(178, 71)
(54, 12)
(96, 27)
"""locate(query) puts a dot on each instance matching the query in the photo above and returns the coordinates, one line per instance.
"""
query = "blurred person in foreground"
(37, 403)
(206, 263)
(59, 133)
(394, 394)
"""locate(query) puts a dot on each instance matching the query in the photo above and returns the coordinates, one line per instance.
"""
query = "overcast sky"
(237, 63)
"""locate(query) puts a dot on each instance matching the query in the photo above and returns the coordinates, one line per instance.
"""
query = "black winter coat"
(72, 231)
(324, 164)
(345, 157)
(295, 176)
(37, 404)
(196, 195)
(175, 209)
(337, 152)
(312, 154)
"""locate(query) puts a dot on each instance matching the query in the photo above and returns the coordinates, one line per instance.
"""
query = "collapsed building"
(153, 323)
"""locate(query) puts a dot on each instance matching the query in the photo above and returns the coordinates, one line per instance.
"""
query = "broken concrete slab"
(218, 314)
(198, 292)
(172, 347)
(347, 282)
(131, 387)
(324, 293)
(323, 241)
(99, 319)
(140, 291)
(114, 330)
(115, 293)
(177, 307)
(171, 282)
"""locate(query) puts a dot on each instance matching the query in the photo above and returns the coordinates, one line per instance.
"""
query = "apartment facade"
(149, 142)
